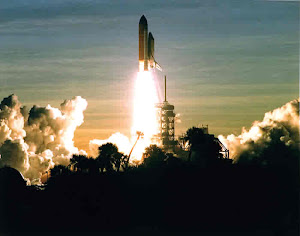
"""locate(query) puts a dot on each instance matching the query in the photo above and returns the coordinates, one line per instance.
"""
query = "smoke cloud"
(36, 140)
(120, 140)
(276, 136)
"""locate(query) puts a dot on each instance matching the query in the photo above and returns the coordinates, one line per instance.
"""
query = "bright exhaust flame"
(145, 121)
(144, 114)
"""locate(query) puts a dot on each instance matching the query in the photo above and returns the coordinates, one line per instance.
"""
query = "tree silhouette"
(58, 170)
(153, 156)
(118, 160)
(139, 135)
(125, 162)
(77, 161)
(91, 165)
(82, 163)
(107, 152)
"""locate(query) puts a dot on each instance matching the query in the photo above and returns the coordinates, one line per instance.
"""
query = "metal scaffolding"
(167, 121)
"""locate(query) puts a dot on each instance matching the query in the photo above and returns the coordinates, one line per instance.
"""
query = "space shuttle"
(146, 48)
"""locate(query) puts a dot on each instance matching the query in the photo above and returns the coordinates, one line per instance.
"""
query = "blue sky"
(227, 62)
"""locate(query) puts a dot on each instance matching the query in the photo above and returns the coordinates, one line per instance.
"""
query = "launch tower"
(167, 121)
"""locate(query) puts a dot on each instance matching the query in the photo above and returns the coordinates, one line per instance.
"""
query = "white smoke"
(120, 140)
(124, 144)
(279, 128)
(35, 141)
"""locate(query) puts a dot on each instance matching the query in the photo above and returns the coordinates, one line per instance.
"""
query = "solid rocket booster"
(146, 47)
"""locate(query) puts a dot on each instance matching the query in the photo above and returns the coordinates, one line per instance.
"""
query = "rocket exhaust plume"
(144, 114)
(144, 121)
(145, 98)
(36, 140)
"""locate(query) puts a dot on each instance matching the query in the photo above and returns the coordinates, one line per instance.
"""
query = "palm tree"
(139, 135)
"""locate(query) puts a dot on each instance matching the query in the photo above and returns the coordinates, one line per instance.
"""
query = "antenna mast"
(165, 88)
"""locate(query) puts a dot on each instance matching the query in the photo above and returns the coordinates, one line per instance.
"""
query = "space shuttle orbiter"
(146, 47)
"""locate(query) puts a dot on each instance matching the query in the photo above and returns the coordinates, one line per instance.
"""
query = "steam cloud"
(120, 140)
(36, 140)
(277, 134)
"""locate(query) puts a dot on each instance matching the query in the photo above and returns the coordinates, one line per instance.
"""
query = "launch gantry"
(166, 123)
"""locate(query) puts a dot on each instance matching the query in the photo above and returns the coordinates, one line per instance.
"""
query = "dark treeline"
(197, 191)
